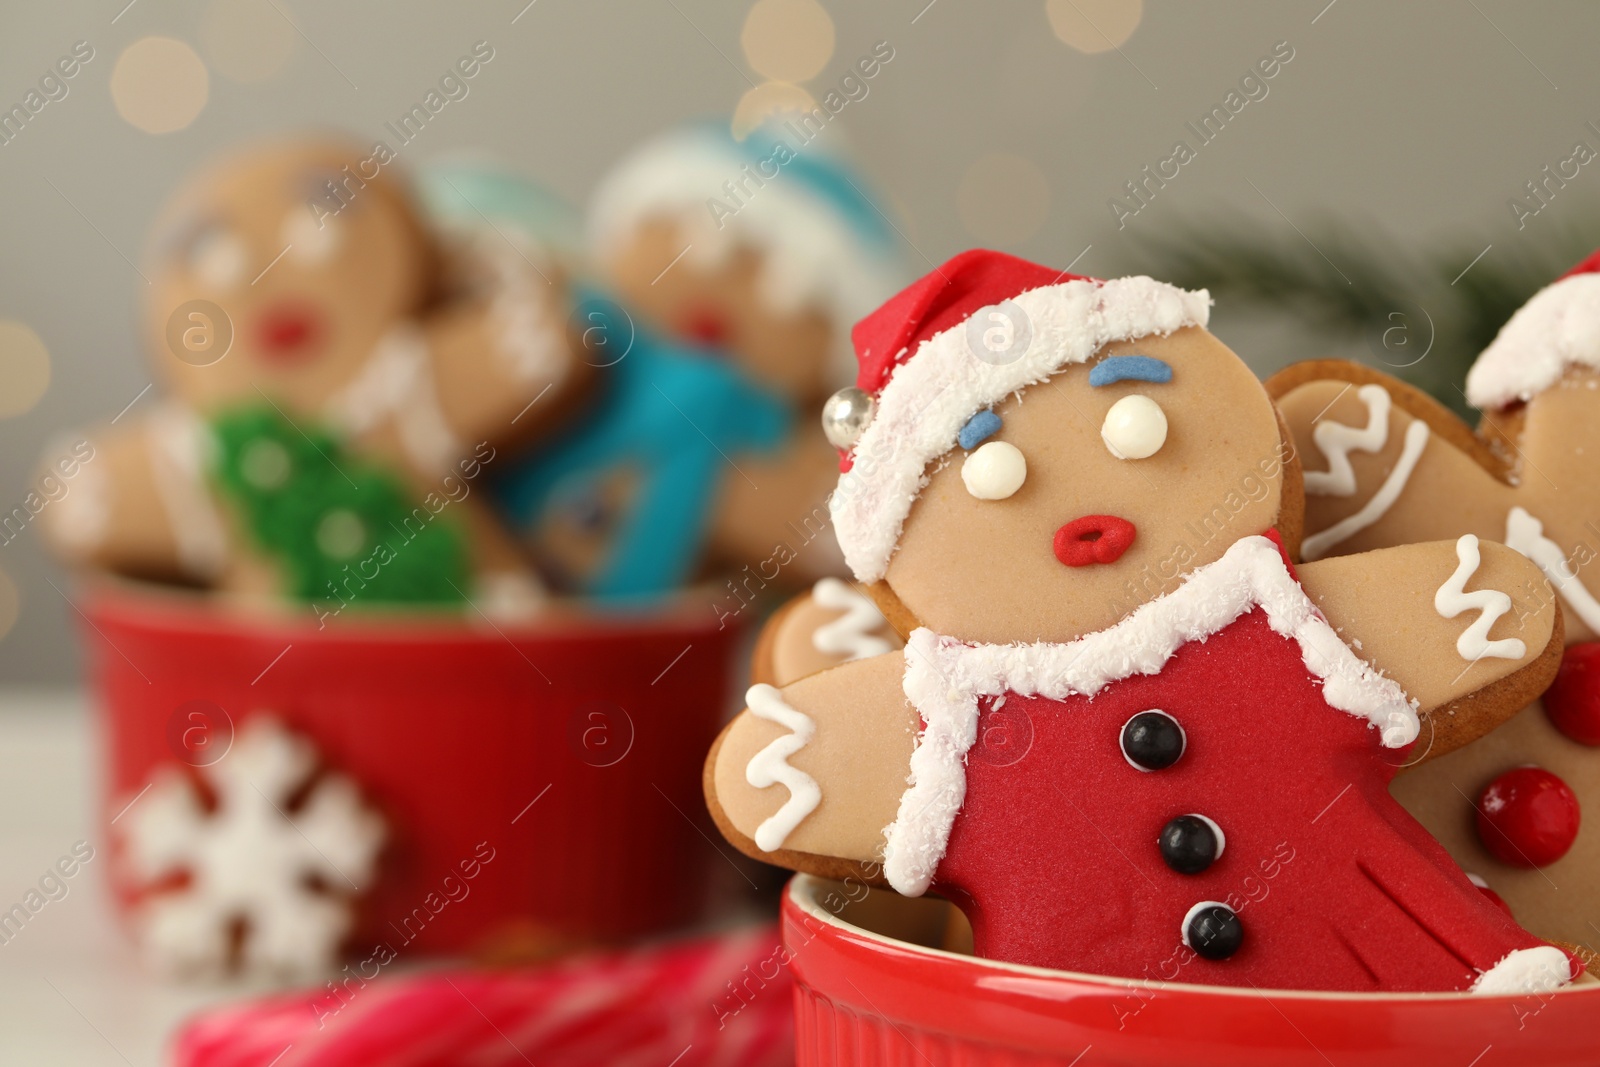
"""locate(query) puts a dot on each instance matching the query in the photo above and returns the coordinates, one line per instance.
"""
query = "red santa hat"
(1559, 327)
(958, 341)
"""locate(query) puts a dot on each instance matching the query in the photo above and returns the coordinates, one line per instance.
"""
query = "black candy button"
(1190, 844)
(1152, 740)
(1213, 930)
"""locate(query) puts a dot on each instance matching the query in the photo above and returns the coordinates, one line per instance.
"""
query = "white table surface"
(71, 991)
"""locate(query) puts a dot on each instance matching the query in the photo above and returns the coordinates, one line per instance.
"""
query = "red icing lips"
(706, 326)
(1093, 539)
(289, 332)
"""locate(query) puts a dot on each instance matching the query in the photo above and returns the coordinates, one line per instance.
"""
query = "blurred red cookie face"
(299, 282)
(720, 304)
(1089, 500)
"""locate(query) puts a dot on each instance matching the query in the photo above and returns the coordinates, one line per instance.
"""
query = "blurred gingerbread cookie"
(774, 250)
(337, 391)
(622, 507)
(764, 250)
(1126, 735)
(1387, 465)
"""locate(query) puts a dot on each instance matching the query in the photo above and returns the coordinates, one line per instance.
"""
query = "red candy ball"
(1527, 817)
(1573, 702)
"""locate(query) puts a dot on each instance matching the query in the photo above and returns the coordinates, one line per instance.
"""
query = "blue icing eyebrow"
(982, 425)
(1114, 369)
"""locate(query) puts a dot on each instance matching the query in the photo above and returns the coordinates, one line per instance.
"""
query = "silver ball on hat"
(845, 416)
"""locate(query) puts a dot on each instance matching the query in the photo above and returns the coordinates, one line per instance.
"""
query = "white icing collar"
(945, 678)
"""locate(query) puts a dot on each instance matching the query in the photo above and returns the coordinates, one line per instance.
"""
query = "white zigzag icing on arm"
(1526, 534)
(1318, 544)
(851, 634)
(1337, 441)
(770, 766)
(1452, 599)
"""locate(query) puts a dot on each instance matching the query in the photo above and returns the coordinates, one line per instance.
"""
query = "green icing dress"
(342, 527)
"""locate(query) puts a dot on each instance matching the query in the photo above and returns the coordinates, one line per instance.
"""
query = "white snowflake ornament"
(286, 877)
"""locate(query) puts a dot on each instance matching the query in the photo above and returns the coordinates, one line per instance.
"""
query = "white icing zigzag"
(1452, 599)
(945, 678)
(1526, 534)
(1337, 441)
(853, 633)
(770, 766)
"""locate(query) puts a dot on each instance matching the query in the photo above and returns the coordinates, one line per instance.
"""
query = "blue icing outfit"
(675, 417)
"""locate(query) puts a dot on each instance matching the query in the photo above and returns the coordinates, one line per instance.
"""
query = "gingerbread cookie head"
(765, 248)
(1031, 455)
(281, 268)
(339, 390)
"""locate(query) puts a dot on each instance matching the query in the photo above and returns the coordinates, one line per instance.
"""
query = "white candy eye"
(1135, 428)
(994, 471)
(310, 240)
(216, 257)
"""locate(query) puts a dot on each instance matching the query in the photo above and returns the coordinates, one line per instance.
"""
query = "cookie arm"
(130, 506)
(1384, 463)
(1467, 628)
(505, 365)
(831, 623)
(779, 510)
(809, 776)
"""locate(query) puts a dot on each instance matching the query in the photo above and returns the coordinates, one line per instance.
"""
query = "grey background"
(1420, 119)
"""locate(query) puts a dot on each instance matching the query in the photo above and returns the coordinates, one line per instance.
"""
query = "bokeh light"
(246, 40)
(768, 99)
(24, 368)
(1094, 25)
(787, 40)
(1003, 198)
(159, 84)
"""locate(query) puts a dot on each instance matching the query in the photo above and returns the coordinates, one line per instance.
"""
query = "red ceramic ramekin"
(571, 747)
(864, 999)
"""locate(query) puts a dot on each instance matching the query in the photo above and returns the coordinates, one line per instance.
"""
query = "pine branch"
(1354, 283)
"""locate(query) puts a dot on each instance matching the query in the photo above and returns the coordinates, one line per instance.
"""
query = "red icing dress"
(1054, 853)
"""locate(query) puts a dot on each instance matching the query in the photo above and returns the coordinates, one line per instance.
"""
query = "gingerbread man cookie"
(1126, 735)
(764, 250)
(336, 394)
(1387, 465)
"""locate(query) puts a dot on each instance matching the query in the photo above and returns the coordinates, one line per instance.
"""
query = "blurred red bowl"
(572, 747)
(864, 999)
